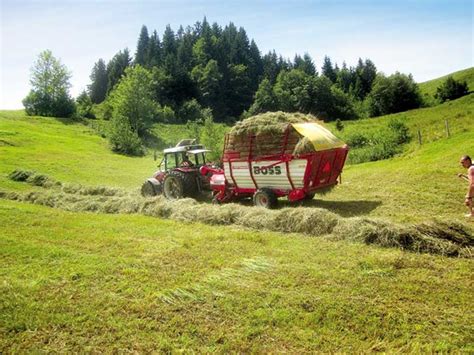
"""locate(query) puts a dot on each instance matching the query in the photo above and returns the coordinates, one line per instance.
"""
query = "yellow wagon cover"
(320, 137)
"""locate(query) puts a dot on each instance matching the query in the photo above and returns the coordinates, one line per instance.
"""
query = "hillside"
(73, 153)
(69, 151)
(75, 281)
(160, 285)
(428, 88)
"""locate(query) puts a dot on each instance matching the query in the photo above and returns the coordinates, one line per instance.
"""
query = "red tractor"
(184, 172)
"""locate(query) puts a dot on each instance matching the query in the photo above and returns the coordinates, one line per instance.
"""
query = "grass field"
(89, 282)
(86, 282)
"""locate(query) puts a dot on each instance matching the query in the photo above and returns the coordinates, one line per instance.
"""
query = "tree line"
(206, 71)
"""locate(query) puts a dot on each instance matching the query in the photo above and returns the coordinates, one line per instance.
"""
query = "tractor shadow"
(344, 208)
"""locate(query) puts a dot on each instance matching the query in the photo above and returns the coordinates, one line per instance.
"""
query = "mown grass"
(446, 237)
(75, 282)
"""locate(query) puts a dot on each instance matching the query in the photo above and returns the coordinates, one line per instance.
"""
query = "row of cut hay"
(45, 181)
(436, 237)
(269, 130)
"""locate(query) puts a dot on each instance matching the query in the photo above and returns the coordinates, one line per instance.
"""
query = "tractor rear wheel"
(178, 185)
(265, 198)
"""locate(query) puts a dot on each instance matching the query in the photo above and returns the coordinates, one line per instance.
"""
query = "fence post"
(419, 136)
(446, 124)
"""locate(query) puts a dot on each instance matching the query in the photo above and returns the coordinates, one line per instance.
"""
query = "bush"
(392, 94)
(192, 111)
(357, 140)
(165, 115)
(123, 139)
(400, 131)
(84, 106)
(451, 90)
(378, 145)
(40, 104)
(103, 110)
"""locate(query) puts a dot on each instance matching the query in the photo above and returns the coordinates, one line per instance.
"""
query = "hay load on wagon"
(279, 133)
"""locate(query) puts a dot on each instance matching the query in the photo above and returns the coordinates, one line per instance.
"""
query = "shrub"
(357, 140)
(84, 105)
(166, 115)
(192, 111)
(381, 144)
(400, 130)
(123, 139)
(392, 94)
(451, 89)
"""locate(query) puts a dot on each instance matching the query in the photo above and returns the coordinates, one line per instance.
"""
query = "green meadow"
(95, 282)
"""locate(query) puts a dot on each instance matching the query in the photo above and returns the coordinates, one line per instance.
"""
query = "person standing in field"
(466, 162)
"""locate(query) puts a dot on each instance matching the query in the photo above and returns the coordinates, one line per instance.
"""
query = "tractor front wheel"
(148, 189)
(265, 198)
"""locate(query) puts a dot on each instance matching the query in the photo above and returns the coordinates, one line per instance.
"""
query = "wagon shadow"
(345, 208)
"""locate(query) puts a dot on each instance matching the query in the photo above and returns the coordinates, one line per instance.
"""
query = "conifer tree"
(116, 68)
(142, 53)
(328, 70)
(98, 87)
(154, 50)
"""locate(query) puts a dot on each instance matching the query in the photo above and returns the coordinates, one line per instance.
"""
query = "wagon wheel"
(265, 198)
(309, 196)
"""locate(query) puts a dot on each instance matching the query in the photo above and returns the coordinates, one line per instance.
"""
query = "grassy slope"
(429, 87)
(65, 150)
(422, 183)
(430, 121)
(87, 282)
(76, 280)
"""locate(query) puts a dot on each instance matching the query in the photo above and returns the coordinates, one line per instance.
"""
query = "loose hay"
(269, 131)
(436, 237)
(20, 175)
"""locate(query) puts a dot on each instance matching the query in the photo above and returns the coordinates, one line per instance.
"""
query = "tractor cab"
(183, 157)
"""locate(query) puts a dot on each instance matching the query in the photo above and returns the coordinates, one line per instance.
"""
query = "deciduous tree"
(49, 95)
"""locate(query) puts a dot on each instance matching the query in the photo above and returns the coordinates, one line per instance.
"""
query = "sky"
(427, 38)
